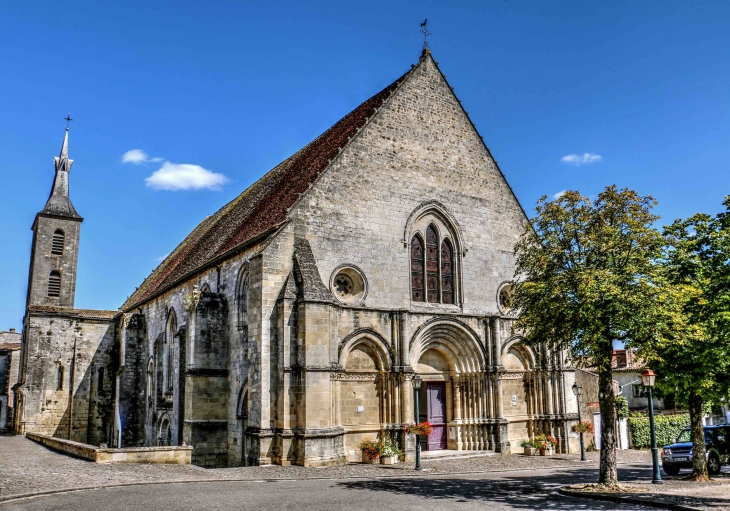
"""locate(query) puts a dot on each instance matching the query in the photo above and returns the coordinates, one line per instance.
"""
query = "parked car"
(679, 454)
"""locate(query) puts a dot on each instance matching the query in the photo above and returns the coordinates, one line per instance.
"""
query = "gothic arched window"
(54, 284)
(417, 280)
(169, 353)
(57, 242)
(242, 299)
(434, 255)
(447, 277)
(59, 378)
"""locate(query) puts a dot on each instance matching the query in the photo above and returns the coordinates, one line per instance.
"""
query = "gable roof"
(261, 208)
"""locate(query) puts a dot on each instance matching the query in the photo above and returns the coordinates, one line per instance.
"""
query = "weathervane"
(68, 120)
(425, 33)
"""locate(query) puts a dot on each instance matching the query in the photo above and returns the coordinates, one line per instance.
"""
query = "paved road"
(495, 492)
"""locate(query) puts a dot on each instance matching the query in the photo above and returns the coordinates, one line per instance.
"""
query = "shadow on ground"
(519, 492)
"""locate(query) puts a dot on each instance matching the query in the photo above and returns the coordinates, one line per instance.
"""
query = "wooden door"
(436, 395)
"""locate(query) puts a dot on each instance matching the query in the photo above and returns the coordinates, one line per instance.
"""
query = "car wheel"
(672, 471)
(713, 464)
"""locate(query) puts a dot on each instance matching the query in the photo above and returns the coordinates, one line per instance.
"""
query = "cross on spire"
(68, 119)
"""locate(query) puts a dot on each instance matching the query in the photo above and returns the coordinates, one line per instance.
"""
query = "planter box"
(366, 459)
(389, 460)
(530, 451)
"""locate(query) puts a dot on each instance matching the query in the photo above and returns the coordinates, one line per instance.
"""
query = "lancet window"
(433, 266)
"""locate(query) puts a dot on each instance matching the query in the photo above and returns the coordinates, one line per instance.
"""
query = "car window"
(685, 436)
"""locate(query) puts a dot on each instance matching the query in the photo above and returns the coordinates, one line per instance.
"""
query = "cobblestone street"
(26, 467)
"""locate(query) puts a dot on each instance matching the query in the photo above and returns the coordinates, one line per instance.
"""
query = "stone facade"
(9, 368)
(288, 327)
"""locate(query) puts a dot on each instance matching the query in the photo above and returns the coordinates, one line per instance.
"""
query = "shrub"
(622, 407)
(667, 427)
(527, 443)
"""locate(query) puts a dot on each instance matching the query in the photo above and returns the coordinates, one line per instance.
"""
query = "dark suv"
(679, 454)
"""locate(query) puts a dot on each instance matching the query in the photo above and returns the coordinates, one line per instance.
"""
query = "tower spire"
(59, 203)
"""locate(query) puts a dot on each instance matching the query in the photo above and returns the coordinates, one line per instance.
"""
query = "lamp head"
(648, 377)
(416, 382)
(577, 389)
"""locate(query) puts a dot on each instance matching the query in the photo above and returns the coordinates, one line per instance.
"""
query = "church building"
(288, 327)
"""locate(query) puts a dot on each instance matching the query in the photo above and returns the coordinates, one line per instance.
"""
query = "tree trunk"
(608, 474)
(699, 456)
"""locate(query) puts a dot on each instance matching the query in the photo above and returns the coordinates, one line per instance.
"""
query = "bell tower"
(56, 230)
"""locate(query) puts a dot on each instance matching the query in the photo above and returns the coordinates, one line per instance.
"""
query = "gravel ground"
(26, 467)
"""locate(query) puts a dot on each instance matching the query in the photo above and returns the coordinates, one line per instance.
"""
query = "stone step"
(450, 454)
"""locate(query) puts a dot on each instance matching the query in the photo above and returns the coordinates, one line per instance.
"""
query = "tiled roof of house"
(261, 208)
(79, 313)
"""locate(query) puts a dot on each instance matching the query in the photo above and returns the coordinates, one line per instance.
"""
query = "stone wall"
(67, 381)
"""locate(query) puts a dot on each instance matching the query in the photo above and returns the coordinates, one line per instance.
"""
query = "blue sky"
(223, 91)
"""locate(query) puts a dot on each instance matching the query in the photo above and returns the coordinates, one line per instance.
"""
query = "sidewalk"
(28, 468)
(676, 493)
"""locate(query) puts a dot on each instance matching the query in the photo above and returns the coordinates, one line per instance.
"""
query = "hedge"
(668, 428)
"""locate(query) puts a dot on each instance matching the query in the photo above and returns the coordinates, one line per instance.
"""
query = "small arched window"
(59, 378)
(54, 284)
(169, 352)
(242, 299)
(417, 280)
(100, 381)
(57, 242)
(447, 276)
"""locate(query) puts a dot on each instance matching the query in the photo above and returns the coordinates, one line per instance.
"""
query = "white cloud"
(581, 159)
(185, 176)
(559, 194)
(137, 156)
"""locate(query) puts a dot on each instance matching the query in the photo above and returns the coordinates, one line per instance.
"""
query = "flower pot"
(530, 451)
(546, 452)
(367, 460)
(388, 460)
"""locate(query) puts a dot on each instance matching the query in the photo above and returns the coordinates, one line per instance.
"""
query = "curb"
(18, 497)
(624, 500)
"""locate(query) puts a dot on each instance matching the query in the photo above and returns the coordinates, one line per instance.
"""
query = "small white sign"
(360, 409)
(514, 400)
(452, 433)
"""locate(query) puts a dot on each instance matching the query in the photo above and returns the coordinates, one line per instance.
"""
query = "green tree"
(584, 279)
(692, 354)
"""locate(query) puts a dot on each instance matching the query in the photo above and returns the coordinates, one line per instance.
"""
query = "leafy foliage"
(584, 279)
(691, 352)
(584, 427)
(622, 407)
(668, 428)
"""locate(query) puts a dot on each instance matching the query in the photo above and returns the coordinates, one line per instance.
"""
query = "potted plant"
(545, 444)
(389, 453)
(370, 451)
(422, 428)
(584, 427)
(529, 448)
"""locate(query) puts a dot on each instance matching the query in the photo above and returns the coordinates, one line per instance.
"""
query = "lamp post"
(647, 378)
(578, 390)
(416, 382)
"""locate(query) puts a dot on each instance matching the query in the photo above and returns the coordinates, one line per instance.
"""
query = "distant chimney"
(12, 330)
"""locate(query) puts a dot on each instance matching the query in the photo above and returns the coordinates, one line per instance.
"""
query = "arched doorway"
(448, 357)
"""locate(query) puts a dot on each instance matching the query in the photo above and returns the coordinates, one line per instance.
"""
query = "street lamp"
(416, 382)
(647, 378)
(578, 390)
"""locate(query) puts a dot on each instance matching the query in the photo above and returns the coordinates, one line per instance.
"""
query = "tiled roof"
(80, 313)
(260, 208)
